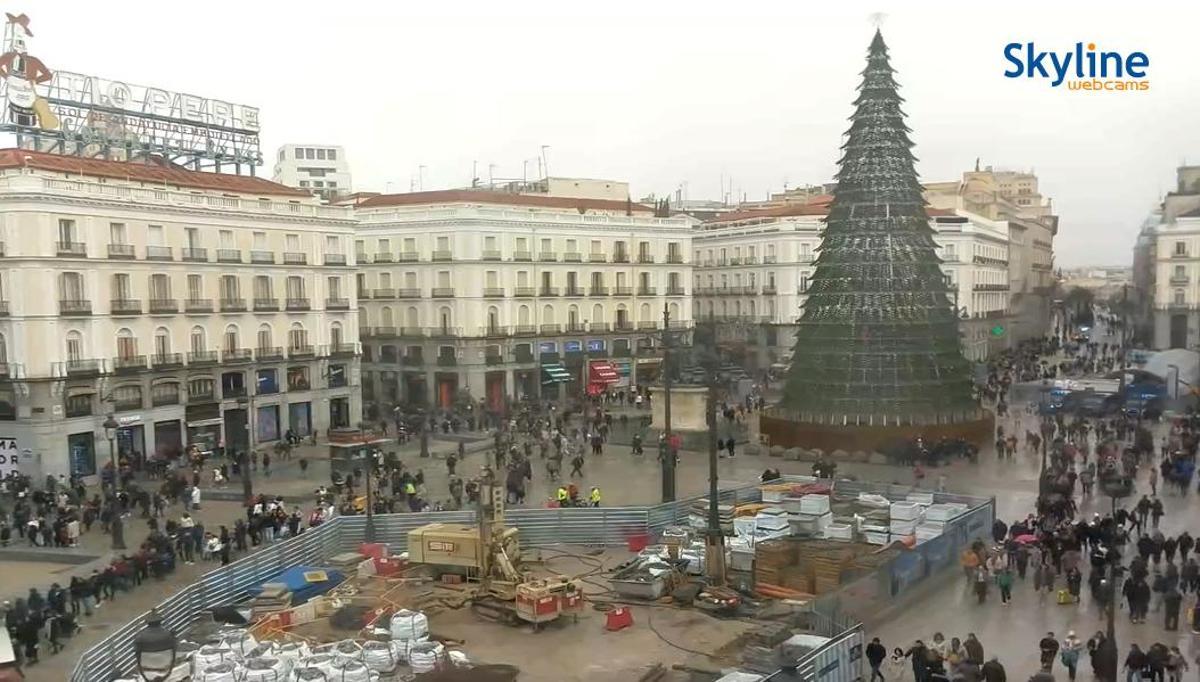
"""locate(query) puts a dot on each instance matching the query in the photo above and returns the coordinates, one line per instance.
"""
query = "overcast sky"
(662, 93)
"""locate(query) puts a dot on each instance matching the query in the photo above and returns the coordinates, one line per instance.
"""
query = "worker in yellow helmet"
(562, 496)
(594, 496)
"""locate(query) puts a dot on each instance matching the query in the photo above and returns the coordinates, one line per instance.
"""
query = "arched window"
(335, 334)
(198, 340)
(493, 319)
(597, 313)
(386, 318)
(364, 320)
(3, 349)
(297, 337)
(412, 318)
(445, 319)
(126, 343)
(265, 337)
(673, 310)
(622, 316)
(573, 317)
(162, 342)
(230, 342)
(548, 314)
(644, 313)
(523, 315)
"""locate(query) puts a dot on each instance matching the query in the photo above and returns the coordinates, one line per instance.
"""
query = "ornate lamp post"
(155, 648)
(1115, 485)
(668, 456)
(368, 456)
(115, 524)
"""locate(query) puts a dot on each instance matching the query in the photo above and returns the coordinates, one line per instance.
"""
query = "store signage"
(547, 347)
(81, 109)
(595, 345)
(572, 346)
(130, 419)
(10, 456)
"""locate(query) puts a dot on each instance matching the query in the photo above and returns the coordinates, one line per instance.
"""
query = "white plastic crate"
(905, 511)
(839, 531)
(920, 498)
(877, 538)
(814, 504)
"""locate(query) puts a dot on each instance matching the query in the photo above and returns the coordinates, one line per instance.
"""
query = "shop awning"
(604, 372)
(555, 374)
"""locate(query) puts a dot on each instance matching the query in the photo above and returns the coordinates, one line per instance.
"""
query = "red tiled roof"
(149, 170)
(475, 196)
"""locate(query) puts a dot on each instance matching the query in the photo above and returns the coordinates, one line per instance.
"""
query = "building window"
(195, 287)
(116, 233)
(335, 287)
(332, 154)
(299, 152)
(160, 288)
(162, 342)
(1180, 248)
(295, 288)
(122, 291)
(320, 154)
(231, 338)
(197, 340)
(1179, 298)
(156, 236)
(230, 289)
(66, 231)
(71, 285)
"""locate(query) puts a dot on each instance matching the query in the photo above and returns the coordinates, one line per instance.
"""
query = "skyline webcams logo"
(1082, 68)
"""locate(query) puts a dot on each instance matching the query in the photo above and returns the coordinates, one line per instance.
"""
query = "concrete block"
(752, 449)
(776, 451)
(877, 458)
(792, 454)
(840, 454)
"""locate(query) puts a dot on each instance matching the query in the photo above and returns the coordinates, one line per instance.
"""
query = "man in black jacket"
(993, 671)
(974, 649)
(876, 652)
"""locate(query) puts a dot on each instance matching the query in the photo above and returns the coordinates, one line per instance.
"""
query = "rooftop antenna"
(491, 176)
(474, 174)
(545, 161)
(421, 177)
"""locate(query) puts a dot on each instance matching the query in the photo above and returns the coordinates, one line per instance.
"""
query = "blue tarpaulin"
(301, 587)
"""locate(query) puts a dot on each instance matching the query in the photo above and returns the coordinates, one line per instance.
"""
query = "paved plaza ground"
(944, 604)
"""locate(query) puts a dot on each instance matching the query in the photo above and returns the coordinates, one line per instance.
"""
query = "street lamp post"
(714, 538)
(668, 457)
(116, 525)
(156, 650)
(244, 457)
(369, 457)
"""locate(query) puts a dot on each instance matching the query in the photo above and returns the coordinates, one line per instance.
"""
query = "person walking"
(1172, 601)
(993, 671)
(1069, 654)
(1048, 647)
(876, 653)
(1004, 580)
(981, 584)
(1154, 481)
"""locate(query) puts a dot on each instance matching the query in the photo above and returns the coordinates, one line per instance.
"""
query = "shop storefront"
(339, 413)
(496, 391)
(601, 375)
(300, 418)
(415, 390)
(526, 381)
(168, 439)
(447, 386)
(204, 427)
(624, 373)
(266, 423)
(554, 375)
(81, 451)
(131, 441)
(237, 429)
(647, 371)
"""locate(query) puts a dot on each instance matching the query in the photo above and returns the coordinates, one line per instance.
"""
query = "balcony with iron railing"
(1180, 279)
(572, 257)
(295, 258)
(233, 305)
(298, 383)
(229, 355)
(992, 287)
(769, 290)
(121, 251)
(493, 292)
(523, 355)
(268, 353)
(573, 290)
(3, 308)
(412, 360)
(644, 325)
(491, 254)
(194, 254)
(266, 305)
(298, 304)
(82, 367)
(750, 260)
(623, 326)
(804, 258)
(598, 326)
(597, 258)
(442, 292)
(442, 255)
(202, 357)
(522, 256)
(301, 351)
(408, 257)
(645, 258)
(229, 256)
(493, 331)
(523, 292)
(444, 332)
(548, 291)
(621, 290)
(675, 258)
(163, 306)
(198, 305)
(1175, 254)
(384, 332)
(72, 249)
(620, 257)
(159, 253)
(262, 257)
(548, 257)
(647, 291)
(166, 360)
(408, 292)
(125, 364)
(233, 391)
(381, 257)
(735, 260)
(74, 307)
(770, 260)
(342, 350)
(493, 359)
(598, 291)
(335, 259)
(525, 330)
(675, 291)
(335, 303)
(125, 306)
(549, 328)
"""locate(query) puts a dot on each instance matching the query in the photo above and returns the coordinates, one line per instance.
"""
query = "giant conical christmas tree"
(878, 341)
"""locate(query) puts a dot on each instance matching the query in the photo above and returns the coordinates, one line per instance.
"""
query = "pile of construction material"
(794, 568)
(698, 515)
(274, 598)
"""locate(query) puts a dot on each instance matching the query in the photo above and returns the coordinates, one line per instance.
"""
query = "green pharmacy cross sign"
(998, 330)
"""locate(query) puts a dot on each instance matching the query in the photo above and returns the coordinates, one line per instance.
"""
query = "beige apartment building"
(1167, 260)
(194, 308)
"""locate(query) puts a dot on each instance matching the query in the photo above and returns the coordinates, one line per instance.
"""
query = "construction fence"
(113, 656)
